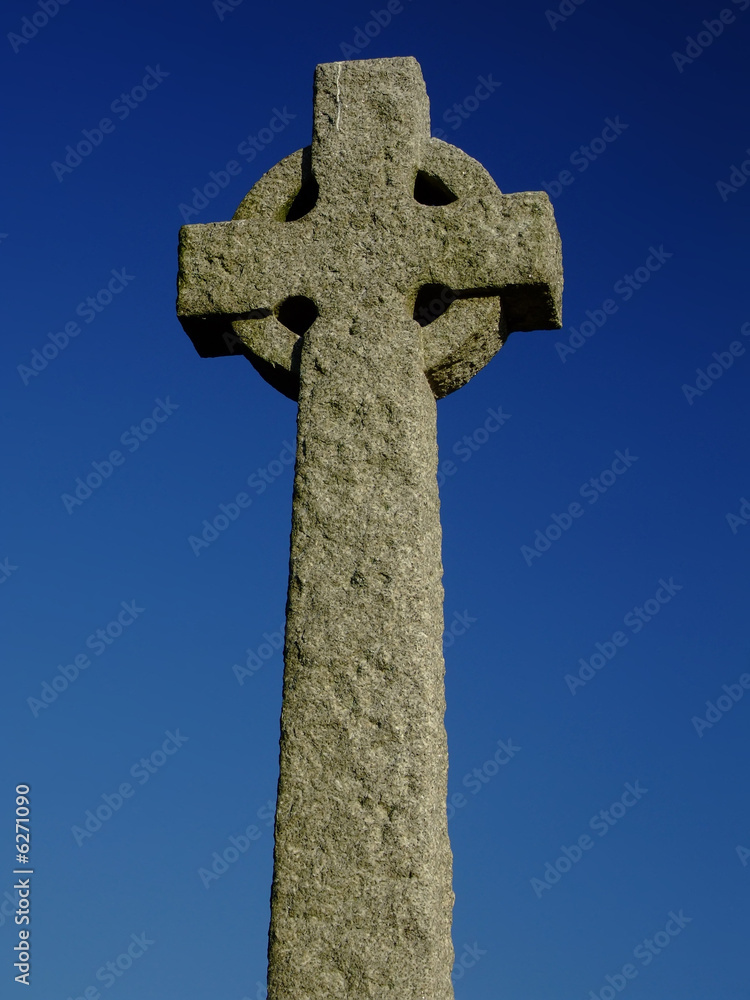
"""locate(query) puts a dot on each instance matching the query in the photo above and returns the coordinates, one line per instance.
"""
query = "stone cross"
(365, 277)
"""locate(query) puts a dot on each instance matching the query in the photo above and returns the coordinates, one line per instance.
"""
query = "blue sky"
(620, 815)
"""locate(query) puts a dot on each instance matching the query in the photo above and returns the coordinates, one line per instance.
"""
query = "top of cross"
(374, 216)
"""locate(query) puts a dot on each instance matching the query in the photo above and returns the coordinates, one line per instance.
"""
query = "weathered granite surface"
(317, 280)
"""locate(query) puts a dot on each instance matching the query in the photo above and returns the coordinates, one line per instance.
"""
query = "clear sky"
(595, 537)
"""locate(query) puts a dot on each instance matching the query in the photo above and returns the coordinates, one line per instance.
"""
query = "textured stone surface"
(362, 898)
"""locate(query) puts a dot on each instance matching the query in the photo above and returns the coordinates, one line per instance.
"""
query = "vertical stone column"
(362, 898)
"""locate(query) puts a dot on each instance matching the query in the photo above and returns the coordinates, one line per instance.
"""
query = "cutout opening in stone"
(305, 200)
(432, 302)
(430, 190)
(297, 313)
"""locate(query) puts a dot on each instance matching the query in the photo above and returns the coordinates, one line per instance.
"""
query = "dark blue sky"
(592, 811)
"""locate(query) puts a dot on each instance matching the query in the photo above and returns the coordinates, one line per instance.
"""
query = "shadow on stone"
(297, 313)
(430, 190)
(431, 302)
(305, 200)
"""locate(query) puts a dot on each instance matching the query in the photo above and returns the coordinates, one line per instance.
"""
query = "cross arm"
(232, 271)
(527, 243)
(503, 263)
(507, 246)
(499, 254)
